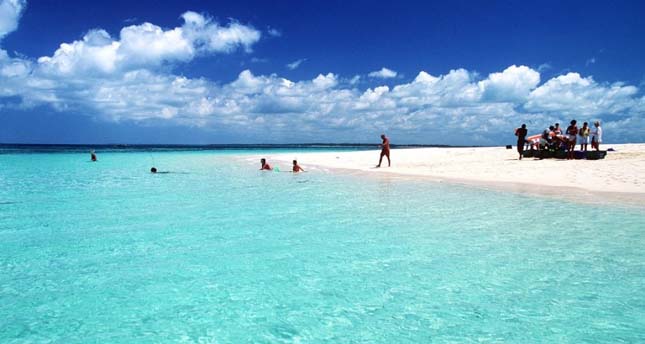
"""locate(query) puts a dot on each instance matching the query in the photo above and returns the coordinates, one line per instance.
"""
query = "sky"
(423, 72)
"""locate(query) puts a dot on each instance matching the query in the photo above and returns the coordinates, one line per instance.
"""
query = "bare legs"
(386, 154)
(571, 147)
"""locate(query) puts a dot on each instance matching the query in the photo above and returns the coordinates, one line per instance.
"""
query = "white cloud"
(208, 36)
(10, 12)
(590, 61)
(384, 73)
(127, 79)
(295, 64)
(573, 95)
(325, 81)
(147, 46)
(513, 84)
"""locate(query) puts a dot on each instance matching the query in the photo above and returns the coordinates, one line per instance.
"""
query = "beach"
(617, 178)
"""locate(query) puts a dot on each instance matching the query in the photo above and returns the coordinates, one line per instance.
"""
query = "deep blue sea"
(219, 252)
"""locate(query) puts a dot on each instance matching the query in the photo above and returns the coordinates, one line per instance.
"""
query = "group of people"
(385, 152)
(553, 138)
(266, 167)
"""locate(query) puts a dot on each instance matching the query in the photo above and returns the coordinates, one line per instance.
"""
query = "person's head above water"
(295, 162)
(265, 164)
(153, 170)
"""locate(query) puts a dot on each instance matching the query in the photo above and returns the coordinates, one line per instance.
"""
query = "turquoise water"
(222, 253)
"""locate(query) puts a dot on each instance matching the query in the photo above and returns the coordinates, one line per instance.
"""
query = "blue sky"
(459, 72)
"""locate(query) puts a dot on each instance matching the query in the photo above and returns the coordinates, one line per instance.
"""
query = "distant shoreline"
(66, 148)
(225, 145)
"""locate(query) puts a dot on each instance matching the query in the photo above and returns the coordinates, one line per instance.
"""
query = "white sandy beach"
(621, 175)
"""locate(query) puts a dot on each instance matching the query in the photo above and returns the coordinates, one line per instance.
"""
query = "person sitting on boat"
(534, 141)
(265, 165)
(546, 139)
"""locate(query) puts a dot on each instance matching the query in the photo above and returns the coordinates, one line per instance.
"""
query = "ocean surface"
(218, 252)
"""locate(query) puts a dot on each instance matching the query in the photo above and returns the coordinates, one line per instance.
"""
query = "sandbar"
(620, 177)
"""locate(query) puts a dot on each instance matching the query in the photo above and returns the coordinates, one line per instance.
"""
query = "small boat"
(561, 154)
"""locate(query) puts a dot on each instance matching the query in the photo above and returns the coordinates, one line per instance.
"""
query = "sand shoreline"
(618, 179)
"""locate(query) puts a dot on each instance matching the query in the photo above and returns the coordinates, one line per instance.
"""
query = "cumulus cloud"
(124, 79)
(295, 64)
(147, 46)
(571, 95)
(10, 12)
(512, 84)
(384, 73)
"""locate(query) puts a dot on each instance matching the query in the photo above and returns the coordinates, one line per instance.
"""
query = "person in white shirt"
(596, 136)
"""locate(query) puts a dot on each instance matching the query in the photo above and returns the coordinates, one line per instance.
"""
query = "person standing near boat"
(521, 139)
(572, 133)
(596, 136)
(385, 150)
(584, 136)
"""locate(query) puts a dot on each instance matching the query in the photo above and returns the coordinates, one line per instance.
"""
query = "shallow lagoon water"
(220, 252)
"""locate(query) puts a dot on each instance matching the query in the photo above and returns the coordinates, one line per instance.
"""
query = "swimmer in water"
(154, 171)
(92, 155)
(297, 168)
(265, 165)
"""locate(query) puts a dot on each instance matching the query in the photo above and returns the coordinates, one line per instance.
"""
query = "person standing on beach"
(584, 136)
(265, 165)
(572, 133)
(596, 136)
(521, 139)
(385, 150)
